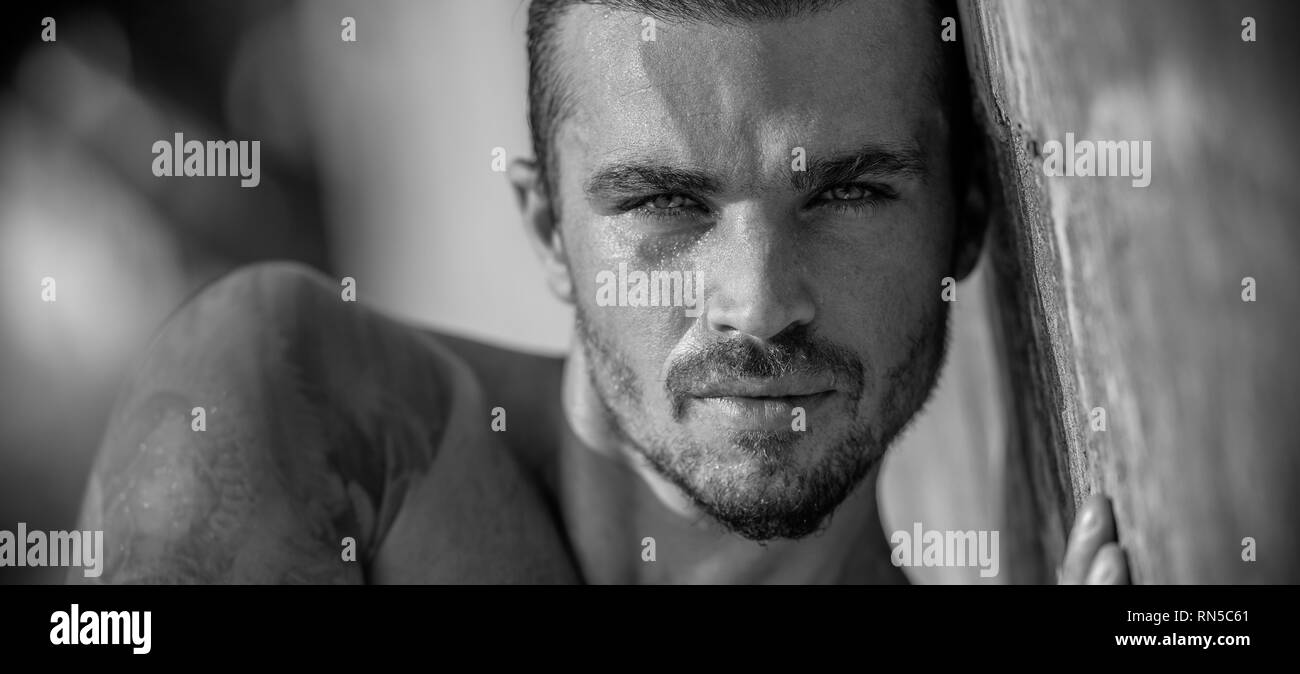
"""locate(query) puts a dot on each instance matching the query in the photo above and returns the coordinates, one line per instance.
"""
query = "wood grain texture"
(1130, 298)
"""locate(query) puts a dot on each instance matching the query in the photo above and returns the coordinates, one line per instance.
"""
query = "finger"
(1093, 528)
(1109, 567)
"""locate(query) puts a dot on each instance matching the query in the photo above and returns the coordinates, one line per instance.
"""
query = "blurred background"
(376, 164)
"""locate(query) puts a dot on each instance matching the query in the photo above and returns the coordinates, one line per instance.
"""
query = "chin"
(767, 451)
(766, 485)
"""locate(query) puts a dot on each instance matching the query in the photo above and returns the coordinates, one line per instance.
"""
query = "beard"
(762, 485)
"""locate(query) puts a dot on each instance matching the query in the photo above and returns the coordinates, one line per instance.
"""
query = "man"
(799, 162)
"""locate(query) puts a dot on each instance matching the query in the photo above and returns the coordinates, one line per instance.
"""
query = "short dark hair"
(549, 93)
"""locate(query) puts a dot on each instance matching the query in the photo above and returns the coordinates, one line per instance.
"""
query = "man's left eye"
(845, 193)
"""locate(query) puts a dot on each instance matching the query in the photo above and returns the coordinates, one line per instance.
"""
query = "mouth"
(785, 388)
(754, 405)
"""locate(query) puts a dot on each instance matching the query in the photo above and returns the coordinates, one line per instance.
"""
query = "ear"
(973, 212)
(540, 225)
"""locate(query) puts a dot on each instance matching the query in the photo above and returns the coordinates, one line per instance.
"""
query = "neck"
(613, 501)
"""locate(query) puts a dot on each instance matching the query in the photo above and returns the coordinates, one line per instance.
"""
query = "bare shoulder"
(523, 391)
(271, 422)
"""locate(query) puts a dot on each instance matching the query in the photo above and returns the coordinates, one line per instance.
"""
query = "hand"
(1092, 556)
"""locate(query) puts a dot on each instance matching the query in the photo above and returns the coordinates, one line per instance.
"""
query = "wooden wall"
(1130, 299)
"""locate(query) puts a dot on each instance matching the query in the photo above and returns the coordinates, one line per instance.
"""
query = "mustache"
(795, 352)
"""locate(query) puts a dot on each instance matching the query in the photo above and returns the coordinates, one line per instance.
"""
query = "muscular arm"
(324, 421)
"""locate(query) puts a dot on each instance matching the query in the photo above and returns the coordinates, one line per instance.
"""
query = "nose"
(761, 286)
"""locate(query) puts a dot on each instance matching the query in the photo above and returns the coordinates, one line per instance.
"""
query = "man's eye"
(845, 193)
(853, 197)
(669, 201)
(666, 206)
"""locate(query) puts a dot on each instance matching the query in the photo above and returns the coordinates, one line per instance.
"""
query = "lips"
(758, 403)
(777, 387)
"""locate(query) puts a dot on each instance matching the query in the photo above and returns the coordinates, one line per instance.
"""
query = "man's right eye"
(664, 201)
(664, 205)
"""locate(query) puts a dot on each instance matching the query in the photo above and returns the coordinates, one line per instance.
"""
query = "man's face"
(821, 328)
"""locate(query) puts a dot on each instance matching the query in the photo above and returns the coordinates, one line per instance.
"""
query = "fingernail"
(1089, 519)
(1104, 572)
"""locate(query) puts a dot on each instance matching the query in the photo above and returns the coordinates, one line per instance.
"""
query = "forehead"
(742, 93)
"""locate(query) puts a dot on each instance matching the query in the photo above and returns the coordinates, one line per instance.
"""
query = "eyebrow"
(869, 160)
(642, 178)
(822, 172)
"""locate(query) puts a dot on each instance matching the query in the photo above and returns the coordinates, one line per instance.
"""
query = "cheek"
(877, 284)
(641, 337)
(640, 341)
